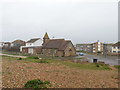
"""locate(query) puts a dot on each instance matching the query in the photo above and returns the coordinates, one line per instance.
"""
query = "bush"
(19, 58)
(36, 83)
(117, 66)
(33, 57)
(97, 65)
(103, 66)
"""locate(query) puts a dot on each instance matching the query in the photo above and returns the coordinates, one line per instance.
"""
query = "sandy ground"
(16, 73)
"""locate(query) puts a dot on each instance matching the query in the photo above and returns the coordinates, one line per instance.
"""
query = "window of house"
(118, 47)
(114, 47)
(114, 51)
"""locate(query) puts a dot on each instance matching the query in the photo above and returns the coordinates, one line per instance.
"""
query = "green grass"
(36, 83)
(87, 66)
(33, 57)
(9, 73)
(117, 66)
(29, 67)
(91, 66)
(80, 58)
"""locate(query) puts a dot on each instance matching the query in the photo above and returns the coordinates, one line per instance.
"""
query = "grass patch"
(91, 66)
(29, 67)
(33, 57)
(117, 66)
(36, 83)
(80, 58)
(19, 58)
(47, 71)
(9, 73)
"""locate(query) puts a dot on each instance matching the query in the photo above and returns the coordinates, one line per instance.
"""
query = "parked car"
(81, 54)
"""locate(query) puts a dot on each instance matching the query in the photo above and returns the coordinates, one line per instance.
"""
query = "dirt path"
(13, 55)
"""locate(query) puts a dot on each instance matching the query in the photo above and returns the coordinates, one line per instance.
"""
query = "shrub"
(19, 58)
(36, 83)
(103, 66)
(97, 65)
(117, 66)
(33, 57)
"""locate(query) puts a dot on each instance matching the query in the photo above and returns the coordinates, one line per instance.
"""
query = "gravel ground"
(16, 73)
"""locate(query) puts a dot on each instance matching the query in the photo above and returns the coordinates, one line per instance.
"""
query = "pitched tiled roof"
(117, 44)
(59, 44)
(33, 40)
(18, 41)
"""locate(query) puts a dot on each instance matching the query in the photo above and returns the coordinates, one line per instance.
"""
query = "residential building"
(6, 44)
(33, 46)
(116, 48)
(18, 43)
(84, 47)
(97, 47)
(1, 44)
(107, 48)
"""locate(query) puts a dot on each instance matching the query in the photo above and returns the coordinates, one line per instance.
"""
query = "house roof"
(33, 40)
(6, 42)
(18, 41)
(83, 44)
(59, 44)
(46, 36)
(32, 47)
(117, 44)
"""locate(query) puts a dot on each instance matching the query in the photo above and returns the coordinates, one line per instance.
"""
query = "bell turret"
(45, 38)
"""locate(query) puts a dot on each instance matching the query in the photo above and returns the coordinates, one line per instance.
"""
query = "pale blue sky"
(80, 21)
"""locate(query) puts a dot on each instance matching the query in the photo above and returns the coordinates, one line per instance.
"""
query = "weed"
(19, 58)
(36, 83)
(29, 67)
(33, 57)
(9, 73)
(50, 85)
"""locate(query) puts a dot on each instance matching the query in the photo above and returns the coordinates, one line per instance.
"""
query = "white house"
(31, 44)
(116, 48)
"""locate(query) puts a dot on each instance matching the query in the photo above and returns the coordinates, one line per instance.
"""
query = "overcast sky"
(82, 21)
